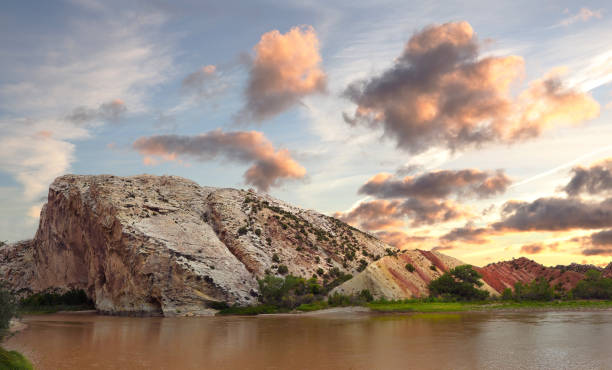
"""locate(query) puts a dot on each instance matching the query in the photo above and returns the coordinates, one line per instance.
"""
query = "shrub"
(362, 265)
(282, 269)
(410, 267)
(537, 290)
(433, 268)
(507, 294)
(242, 231)
(320, 271)
(288, 292)
(459, 283)
(593, 286)
(275, 258)
(258, 232)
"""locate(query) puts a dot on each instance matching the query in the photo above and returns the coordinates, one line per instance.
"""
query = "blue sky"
(62, 56)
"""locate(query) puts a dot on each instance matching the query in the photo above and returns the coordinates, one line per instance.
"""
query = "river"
(492, 340)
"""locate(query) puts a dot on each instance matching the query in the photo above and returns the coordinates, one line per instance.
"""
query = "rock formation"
(165, 245)
(404, 275)
(502, 275)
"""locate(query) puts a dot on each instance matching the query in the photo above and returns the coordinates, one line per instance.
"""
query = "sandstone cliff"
(165, 245)
(391, 278)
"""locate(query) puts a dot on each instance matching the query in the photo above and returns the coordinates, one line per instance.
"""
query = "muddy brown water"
(501, 340)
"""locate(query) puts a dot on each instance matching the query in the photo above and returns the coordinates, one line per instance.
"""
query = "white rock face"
(165, 245)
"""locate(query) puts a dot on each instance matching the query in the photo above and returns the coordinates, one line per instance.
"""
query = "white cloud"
(97, 57)
(583, 15)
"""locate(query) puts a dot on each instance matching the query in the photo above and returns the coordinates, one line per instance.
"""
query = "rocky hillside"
(404, 275)
(165, 245)
(502, 275)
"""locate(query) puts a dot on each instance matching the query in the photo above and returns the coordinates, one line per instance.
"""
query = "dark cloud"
(555, 214)
(286, 67)
(534, 248)
(270, 167)
(110, 111)
(596, 179)
(438, 184)
(385, 214)
(468, 234)
(440, 93)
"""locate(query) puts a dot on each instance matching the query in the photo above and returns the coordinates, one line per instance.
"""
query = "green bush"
(537, 290)
(289, 292)
(410, 267)
(242, 231)
(275, 258)
(282, 269)
(460, 283)
(593, 286)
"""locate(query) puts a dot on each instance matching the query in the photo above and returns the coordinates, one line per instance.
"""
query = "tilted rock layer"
(165, 245)
(390, 277)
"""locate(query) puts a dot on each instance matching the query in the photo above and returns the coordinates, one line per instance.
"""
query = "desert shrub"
(433, 268)
(362, 265)
(288, 292)
(13, 360)
(275, 258)
(460, 283)
(410, 267)
(242, 231)
(282, 269)
(320, 271)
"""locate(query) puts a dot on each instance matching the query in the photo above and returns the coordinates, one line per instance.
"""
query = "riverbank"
(421, 306)
(13, 360)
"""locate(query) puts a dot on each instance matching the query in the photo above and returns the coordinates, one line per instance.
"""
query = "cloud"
(438, 184)
(400, 239)
(385, 214)
(599, 243)
(468, 234)
(596, 179)
(269, 167)
(555, 214)
(532, 248)
(439, 93)
(204, 82)
(36, 152)
(286, 68)
(584, 14)
(110, 111)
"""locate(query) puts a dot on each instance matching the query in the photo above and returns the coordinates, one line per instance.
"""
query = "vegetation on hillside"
(460, 283)
(284, 294)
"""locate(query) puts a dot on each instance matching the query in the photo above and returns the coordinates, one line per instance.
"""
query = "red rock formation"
(502, 275)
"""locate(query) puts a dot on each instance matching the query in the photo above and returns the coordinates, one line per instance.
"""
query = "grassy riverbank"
(418, 306)
(12, 360)
(425, 306)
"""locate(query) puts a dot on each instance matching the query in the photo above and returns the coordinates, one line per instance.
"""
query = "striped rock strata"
(165, 245)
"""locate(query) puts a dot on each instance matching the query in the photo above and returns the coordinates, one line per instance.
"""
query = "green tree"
(461, 283)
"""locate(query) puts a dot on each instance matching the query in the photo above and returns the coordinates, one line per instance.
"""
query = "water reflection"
(349, 341)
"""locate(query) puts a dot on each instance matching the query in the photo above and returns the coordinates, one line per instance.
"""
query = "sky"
(480, 129)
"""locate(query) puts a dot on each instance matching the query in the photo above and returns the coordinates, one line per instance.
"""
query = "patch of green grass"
(250, 310)
(12, 360)
(568, 305)
(419, 306)
(415, 305)
(315, 306)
